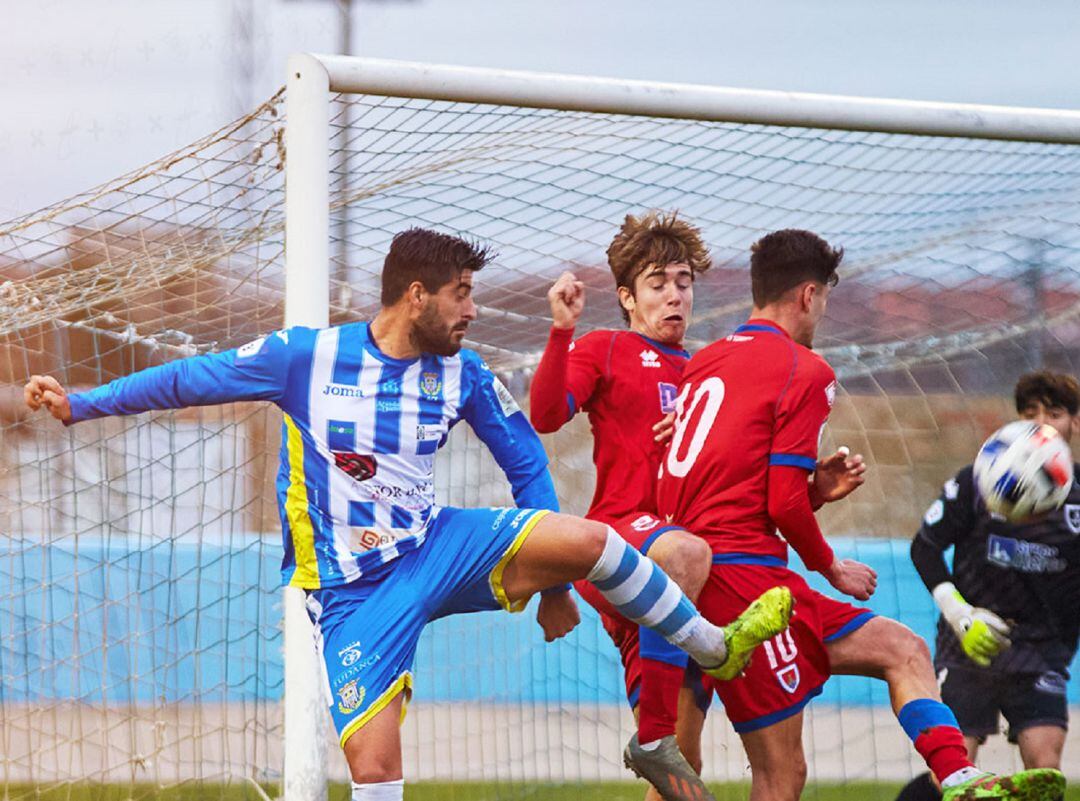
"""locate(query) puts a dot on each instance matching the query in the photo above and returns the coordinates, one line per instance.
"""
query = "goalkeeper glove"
(982, 634)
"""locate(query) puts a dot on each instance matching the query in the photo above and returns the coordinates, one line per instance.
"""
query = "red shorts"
(640, 530)
(789, 670)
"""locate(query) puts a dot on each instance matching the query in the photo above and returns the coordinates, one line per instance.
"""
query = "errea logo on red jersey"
(650, 358)
(830, 394)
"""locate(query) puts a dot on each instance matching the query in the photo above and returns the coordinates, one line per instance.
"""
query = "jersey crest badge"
(430, 385)
(650, 358)
(789, 678)
(350, 697)
(1072, 517)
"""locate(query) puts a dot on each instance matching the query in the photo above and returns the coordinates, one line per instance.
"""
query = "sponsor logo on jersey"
(1072, 517)
(388, 405)
(650, 358)
(342, 391)
(350, 697)
(644, 523)
(350, 654)
(668, 394)
(360, 466)
(499, 518)
(340, 435)
(428, 432)
(368, 539)
(250, 349)
(390, 386)
(506, 400)
(520, 516)
(789, 678)
(952, 489)
(738, 338)
(830, 394)
(430, 385)
(934, 513)
(1023, 556)
(1051, 682)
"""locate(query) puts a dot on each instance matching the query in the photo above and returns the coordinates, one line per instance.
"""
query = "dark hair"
(429, 257)
(1048, 388)
(654, 239)
(782, 260)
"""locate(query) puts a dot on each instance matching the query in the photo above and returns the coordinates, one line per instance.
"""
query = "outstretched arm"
(258, 371)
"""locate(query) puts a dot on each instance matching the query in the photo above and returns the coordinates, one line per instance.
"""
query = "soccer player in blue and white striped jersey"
(365, 408)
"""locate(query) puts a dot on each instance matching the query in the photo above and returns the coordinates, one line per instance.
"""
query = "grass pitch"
(436, 791)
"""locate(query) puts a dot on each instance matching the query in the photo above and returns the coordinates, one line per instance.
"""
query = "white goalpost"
(312, 79)
(141, 635)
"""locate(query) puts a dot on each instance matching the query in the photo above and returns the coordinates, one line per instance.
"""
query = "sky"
(92, 90)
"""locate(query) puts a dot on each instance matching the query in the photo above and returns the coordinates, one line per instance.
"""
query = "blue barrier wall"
(176, 622)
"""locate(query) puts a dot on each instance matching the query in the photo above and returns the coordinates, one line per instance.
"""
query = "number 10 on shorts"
(781, 651)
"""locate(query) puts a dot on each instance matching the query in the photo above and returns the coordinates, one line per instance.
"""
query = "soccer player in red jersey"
(626, 380)
(749, 414)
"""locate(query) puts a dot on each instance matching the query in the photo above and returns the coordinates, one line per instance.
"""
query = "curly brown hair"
(656, 238)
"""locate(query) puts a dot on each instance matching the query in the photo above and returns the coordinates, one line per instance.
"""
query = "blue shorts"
(367, 631)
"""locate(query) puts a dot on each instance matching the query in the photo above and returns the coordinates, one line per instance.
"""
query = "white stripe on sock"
(610, 559)
(664, 605)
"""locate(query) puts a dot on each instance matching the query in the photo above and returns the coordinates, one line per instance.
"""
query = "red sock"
(658, 703)
(944, 751)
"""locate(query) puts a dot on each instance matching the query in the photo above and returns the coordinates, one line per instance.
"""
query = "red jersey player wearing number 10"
(749, 415)
(625, 380)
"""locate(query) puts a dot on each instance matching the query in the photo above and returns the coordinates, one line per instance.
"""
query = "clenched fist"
(567, 299)
(44, 390)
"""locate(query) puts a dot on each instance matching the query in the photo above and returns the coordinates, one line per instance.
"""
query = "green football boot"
(1040, 784)
(764, 618)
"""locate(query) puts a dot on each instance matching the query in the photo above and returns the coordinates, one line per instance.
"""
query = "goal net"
(140, 635)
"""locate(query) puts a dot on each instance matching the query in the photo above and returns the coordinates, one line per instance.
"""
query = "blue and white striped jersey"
(355, 486)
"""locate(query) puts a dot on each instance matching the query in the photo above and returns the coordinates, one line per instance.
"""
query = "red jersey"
(747, 404)
(626, 383)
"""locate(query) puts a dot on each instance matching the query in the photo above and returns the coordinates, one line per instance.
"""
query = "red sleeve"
(564, 379)
(789, 509)
(801, 413)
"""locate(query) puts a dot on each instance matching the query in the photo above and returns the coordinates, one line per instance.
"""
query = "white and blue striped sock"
(642, 592)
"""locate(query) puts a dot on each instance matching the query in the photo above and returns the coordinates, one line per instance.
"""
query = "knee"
(1043, 760)
(912, 650)
(592, 539)
(373, 770)
(685, 558)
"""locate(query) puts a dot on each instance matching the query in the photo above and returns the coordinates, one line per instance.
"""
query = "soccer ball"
(1023, 469)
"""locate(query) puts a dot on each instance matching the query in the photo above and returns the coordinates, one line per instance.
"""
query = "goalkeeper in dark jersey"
(1010, 608)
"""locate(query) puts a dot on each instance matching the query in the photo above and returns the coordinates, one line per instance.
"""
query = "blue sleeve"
(256, 371)
(491, 411)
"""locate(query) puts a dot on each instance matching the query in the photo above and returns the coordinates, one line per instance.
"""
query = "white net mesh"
(139, 638)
